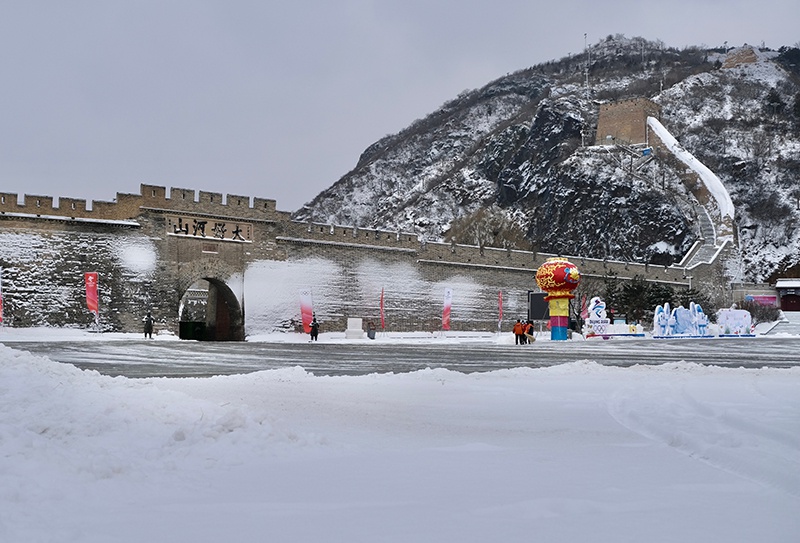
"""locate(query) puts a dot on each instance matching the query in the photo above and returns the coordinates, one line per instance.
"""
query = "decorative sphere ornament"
(558, 277)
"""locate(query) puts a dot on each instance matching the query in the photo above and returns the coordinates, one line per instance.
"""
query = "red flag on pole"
(499, 308)
(92, 302)
(306, 309)
(1, 295)
(383, 322)
(448, 300)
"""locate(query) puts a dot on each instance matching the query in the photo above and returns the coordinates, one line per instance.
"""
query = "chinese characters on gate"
(210, 228)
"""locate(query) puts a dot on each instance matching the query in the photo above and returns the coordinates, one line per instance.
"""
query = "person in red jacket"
(527, 330)
(519, 331)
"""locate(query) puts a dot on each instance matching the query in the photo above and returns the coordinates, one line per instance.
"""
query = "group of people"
(523, 332)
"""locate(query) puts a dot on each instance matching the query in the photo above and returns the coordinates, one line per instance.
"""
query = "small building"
(789, 294)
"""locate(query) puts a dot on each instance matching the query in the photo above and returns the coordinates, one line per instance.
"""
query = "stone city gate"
(151, 253)
(204, 248)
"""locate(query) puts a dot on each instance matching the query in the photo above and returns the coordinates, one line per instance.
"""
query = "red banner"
(448, 300)
(306, 310)
(383, 321)
(90, 278)
(762, 299)
(1, 295)
(500, 305)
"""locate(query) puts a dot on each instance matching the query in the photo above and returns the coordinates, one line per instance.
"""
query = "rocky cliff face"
(510, 164)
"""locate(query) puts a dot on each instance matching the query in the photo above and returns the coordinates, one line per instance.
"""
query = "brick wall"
(625, 121)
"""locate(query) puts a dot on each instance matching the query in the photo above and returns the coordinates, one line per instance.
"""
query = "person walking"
(148, 325)
(518, 330)
(528, 331)
(314, 329)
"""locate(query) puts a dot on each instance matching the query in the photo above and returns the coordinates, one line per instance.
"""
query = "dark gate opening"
(211, 312)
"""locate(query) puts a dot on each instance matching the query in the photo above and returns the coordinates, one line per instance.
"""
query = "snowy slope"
(520, 146)
(578, 452)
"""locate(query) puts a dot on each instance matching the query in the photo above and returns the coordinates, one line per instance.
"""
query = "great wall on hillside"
(152, 248)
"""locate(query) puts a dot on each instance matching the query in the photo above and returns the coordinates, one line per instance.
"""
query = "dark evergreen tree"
(611, 293)
(774, 104)
(659, 294)
(689, 295)
(796, 107)
(634, 298)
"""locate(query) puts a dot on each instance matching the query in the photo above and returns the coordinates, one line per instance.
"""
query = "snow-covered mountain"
(514, 163)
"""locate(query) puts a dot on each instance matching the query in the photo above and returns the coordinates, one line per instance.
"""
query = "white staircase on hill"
(709, 248)
(715, 231)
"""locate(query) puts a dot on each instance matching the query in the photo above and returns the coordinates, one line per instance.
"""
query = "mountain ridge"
(514, 163)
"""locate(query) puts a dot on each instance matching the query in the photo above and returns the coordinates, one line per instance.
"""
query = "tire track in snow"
(727, 431)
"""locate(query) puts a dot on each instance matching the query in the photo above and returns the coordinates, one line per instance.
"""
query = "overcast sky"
(279, 99)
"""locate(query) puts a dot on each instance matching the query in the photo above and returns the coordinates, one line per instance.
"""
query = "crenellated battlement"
(128, 206)
(211, 203)
(330, 233)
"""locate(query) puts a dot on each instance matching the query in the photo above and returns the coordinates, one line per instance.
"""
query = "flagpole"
(499, 312)
(91, 280)
(383, 320)
(1, 298)
(448, 300)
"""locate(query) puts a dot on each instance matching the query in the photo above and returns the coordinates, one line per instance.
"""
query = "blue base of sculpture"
(684, 336)
(607, 336)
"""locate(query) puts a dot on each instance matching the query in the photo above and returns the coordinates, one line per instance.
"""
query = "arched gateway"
(211, 297)
(210, 311)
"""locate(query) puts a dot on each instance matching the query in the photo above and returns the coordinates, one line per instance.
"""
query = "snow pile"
(577, 452)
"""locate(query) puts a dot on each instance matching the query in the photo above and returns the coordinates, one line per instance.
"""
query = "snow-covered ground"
(577, 452)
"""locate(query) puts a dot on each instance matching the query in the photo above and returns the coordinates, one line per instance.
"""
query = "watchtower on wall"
(625, 122)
